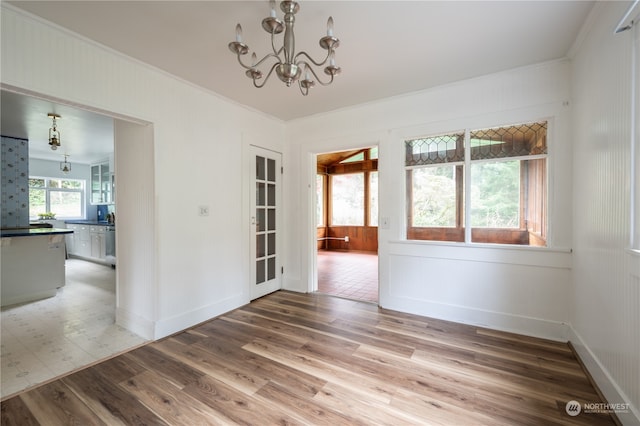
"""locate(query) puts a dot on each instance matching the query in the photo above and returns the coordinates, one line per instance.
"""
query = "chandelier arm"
(276, 52)
(257, 64)
(316, 75)
(270, 55)
(241, 64)
(327, 83)
(318, 64)
(259, 86)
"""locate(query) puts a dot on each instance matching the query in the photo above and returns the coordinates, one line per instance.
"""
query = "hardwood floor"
(311, 359)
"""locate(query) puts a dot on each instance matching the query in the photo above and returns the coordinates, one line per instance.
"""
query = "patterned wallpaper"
(15, 183)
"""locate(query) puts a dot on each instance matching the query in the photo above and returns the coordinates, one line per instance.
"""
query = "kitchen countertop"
(33, 232)
(89, 222)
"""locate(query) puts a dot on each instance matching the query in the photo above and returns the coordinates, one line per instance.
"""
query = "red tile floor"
(352, 275)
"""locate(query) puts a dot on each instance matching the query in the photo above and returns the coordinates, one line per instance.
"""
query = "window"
(320, 199)
(64, 197)
(505, 170)
(347, 199)
(373, 199)
(347, 188)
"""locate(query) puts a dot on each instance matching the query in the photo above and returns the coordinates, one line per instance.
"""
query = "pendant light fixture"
(290, 66)
(65, 166)
(54, 133)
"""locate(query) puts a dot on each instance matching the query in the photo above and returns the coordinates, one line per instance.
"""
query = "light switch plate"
(384, 222)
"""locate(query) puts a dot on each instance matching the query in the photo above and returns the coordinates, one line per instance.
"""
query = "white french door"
(265, 224)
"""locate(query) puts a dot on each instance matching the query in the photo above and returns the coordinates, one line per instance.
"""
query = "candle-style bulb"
(330, 26)
(272, 4)
(238, 33)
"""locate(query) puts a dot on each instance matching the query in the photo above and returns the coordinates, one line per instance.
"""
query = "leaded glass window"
(506, 172)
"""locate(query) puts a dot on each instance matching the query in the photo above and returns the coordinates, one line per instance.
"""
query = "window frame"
(321, 199)
(372, 202)
(462, 233)
(48, 189)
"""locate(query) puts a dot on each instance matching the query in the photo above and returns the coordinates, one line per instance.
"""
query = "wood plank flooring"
(293, 358)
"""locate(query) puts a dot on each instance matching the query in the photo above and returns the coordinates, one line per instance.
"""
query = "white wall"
(605, 310)
(196, 160)
(513, 288)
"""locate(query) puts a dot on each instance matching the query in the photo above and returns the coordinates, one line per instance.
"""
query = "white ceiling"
(85, 136)
(387, 48)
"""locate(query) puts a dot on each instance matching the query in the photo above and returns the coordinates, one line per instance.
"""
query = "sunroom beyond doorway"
(347, 225)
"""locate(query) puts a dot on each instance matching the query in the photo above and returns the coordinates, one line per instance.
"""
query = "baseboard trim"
(134, 323)
(169, 326)
(529, 326)
(602, 380)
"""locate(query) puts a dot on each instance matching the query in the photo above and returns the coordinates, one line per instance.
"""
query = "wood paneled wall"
(361, 238)
(478, 235)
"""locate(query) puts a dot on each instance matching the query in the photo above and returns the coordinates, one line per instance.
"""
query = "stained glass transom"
(435, 150)
(511, 141)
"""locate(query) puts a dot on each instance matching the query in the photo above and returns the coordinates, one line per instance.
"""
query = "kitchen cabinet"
(101, 184)
(79, 243)
(98, 242)
(32, 264)
(89, 242)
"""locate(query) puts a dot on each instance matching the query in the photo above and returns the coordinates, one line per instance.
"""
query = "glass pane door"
(265, 215)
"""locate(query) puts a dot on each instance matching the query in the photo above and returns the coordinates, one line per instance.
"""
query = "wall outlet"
(203, 210)
(346, 239)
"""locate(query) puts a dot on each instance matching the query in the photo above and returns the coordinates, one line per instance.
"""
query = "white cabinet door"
(83, 242)
(70, 239)
(100, 184)
(98, 242)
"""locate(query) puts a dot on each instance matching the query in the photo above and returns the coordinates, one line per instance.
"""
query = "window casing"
(64, 197)
(495, 179)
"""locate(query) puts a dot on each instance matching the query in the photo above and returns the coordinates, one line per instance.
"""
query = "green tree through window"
(64, 197)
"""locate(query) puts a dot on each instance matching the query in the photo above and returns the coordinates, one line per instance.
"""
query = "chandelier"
(54, 133)
(289, 66)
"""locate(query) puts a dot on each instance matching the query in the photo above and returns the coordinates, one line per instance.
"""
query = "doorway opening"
(347, 223)
(90, 318)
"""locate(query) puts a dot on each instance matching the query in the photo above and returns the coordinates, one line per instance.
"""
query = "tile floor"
(51, 337)
(353, 275)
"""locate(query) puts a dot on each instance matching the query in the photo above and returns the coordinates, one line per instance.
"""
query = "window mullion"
(367, 207)
(47, 195)
(467, 186)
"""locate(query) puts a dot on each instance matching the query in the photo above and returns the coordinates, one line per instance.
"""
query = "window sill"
(557, 257)
(488, 245)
